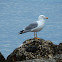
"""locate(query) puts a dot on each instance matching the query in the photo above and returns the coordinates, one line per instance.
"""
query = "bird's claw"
(36, 38)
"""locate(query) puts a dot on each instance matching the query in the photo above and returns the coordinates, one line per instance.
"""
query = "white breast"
(39, 27)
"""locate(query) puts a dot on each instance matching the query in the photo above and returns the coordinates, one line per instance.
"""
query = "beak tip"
(46, 17)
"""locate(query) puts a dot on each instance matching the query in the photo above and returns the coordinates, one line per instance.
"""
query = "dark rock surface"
(2, 59)
(33, 49)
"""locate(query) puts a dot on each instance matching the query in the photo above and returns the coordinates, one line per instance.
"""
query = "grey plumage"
(29, 27)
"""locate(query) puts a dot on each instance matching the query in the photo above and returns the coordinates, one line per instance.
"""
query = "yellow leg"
(34, 34)
(37, 38)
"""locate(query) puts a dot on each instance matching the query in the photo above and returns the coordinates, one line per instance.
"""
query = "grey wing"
(31, 26)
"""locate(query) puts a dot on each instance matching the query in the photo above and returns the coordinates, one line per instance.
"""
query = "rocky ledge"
(37, 50)
(2, 59)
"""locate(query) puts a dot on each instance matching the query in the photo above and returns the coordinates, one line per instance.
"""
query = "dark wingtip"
(21, 32)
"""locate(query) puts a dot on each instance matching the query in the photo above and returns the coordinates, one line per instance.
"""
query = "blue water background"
(16, 14)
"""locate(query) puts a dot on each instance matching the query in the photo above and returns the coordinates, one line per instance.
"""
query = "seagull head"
(42, 17)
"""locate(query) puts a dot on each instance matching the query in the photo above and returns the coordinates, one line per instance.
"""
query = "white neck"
(41, 19)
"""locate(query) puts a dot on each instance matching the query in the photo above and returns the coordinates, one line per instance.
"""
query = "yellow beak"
(46, 17)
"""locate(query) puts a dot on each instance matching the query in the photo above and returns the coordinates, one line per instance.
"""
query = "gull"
(35, 26)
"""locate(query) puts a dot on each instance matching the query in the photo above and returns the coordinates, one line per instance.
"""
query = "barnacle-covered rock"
(36, 49)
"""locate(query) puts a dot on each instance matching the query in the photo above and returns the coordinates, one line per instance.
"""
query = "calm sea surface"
(16, 14)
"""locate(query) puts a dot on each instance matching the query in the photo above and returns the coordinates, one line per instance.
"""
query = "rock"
(58, 49)
(39, 60)
(2, 59)
(32, 49)
(58, 57)
(60, 44)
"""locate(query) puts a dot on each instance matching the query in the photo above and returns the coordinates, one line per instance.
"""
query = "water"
(16, 14)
